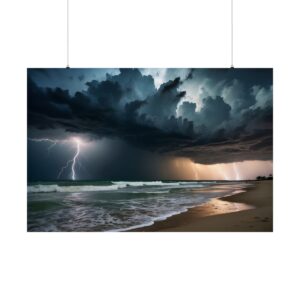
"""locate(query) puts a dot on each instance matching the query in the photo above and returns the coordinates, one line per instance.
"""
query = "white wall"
(156, 33)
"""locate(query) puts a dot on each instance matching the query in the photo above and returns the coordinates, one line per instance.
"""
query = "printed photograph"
(150, 150)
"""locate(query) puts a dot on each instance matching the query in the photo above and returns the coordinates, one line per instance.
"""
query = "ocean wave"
(68, 212)
(145, 183)
(116, 185)
(54, 188)
(150, 192)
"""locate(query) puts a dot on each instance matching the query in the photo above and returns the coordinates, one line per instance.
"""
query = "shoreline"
(250, 210)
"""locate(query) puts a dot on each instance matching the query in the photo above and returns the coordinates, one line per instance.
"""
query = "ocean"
(115, 205)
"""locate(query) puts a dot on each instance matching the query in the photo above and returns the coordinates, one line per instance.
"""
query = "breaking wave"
(145, 183)
(54, 188)
(116, 185)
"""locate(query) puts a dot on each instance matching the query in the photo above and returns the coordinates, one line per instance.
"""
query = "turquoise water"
(115, 205)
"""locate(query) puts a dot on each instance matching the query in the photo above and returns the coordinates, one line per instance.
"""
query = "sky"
(149, 124)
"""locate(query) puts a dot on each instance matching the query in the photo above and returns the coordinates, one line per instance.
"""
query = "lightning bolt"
(73, 162)
(236, 171)
(75, 159)
(63, 168)
(52, 142)
(222, 172)
(51, 146)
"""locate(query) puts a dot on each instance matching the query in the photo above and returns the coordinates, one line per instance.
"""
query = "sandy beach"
(250, 211)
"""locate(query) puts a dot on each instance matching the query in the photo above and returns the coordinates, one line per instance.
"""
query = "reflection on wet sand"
(217, 207)
(249, 209)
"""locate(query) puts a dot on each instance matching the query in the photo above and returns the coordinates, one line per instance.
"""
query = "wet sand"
(251, 210)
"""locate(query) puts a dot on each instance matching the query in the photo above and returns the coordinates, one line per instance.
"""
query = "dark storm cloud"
(214, 111)
(133, 84)
(234, 122)
(163, 104)
(81, 77)
(222, 147)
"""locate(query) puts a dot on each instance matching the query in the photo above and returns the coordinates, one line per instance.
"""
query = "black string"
(68, 35)
(231, 14)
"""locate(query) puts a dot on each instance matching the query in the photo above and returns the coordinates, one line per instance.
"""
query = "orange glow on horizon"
(225, 171)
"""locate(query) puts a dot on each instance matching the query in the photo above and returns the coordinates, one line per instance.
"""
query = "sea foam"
(146, 183)
(54, 188)
(116, 185)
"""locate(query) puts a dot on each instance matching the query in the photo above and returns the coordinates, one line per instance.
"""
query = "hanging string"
(68, 36)
(231, 14)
